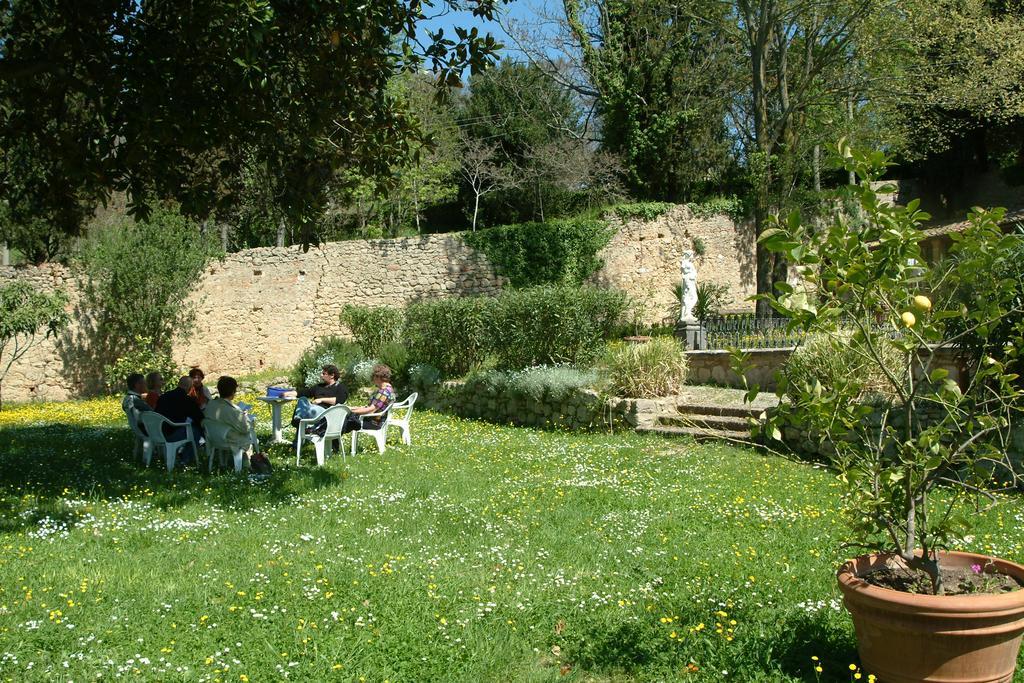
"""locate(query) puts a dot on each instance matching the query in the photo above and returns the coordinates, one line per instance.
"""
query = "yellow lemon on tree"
(908, 319)
(922, 303)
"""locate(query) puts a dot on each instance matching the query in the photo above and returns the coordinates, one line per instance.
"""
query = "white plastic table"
(275, 416)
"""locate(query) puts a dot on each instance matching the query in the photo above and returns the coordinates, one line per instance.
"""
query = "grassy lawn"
(481, 553)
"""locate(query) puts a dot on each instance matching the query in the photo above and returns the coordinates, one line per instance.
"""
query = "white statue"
(688, 286)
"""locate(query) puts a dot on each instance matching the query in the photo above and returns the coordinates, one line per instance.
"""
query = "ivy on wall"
(645, 211)
(558, 251)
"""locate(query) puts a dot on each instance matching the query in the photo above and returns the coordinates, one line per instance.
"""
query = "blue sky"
(449, 20)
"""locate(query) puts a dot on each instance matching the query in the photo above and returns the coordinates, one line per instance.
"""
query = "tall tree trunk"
(5, 255)
(476, 208)
(224, 237)
(759, 45)
(280, 233)
(852, 177)
(816, 161)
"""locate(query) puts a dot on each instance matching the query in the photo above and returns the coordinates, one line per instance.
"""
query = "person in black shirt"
(329, 392)
(176, 406)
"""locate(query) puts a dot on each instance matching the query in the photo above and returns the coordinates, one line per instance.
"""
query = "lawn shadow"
(804, 636)
(41, 466)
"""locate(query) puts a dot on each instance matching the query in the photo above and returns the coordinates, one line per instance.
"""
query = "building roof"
(1014, 215)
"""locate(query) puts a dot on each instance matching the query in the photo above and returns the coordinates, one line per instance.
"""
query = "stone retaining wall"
(712, 367)
(262, 307)
(643, 258)
(582, 409)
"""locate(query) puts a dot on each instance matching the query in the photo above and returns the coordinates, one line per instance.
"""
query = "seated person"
(197, 392)
(329, 392)
(221, 410)
(176, 406)
(379, 400)
(133, 398)
(154, 387)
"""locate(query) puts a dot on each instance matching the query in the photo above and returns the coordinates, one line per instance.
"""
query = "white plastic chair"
(401, 419)
(142, 440)
(335, 417)
(216, 442)
(154, 423)
(380, 434)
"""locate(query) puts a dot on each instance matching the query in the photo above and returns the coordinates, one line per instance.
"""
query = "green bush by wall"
(554, 325)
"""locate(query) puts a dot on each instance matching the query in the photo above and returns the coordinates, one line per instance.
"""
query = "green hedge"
(547, 325)
(449, 334)
(553, 325)
(372, 327)
(558, 251)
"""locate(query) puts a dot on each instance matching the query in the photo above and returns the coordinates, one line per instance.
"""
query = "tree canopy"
(165, 99)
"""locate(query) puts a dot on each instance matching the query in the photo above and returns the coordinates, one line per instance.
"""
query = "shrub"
(145, 357)
(645, 211)
(733, 207)
(711, 298)
(552, 325)
(656, 368)
(449, 334)
(330, 350)
(372, 327)
(836, 361)
(559, 251)
(552, 383)
(396, 357)
(361, 372)
(423, 376)
(135, 278)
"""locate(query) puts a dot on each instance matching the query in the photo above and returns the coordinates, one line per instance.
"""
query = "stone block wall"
(40, 372)
(580, 410)
(712, 367)
(262, 307)
(643, 259)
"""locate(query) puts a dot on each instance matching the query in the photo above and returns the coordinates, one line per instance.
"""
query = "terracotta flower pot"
(907, 637)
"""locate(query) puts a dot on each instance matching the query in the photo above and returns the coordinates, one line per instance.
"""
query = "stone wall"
(40, 372)
(644, 256)
(580, 410)
(261, 308)
(712, 367)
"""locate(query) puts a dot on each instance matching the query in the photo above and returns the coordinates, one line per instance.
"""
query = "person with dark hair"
(380, 399)
(133, 398)
(329, 392)
(177, 406)
(223, 411)
(154, 387)
(197, 392)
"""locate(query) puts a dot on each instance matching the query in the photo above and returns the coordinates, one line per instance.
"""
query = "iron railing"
(748, 331)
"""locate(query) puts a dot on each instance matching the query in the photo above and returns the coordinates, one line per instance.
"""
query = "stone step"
(730, 410)
(698, 433)
(720, 422)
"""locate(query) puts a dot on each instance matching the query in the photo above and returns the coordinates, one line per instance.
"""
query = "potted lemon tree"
(928, 444)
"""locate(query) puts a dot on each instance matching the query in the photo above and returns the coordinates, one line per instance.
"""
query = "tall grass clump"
(838, 361)
(656, 368)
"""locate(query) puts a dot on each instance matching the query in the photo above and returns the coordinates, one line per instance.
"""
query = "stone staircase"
(707, 413)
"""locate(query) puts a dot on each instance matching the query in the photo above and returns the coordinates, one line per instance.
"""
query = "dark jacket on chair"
(176, 406)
